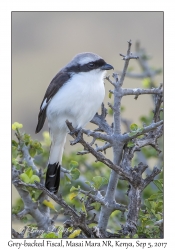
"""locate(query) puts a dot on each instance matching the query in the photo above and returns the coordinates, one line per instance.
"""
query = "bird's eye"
(91, 65)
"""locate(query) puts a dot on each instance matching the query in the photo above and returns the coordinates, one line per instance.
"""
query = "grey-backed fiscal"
(74, 94)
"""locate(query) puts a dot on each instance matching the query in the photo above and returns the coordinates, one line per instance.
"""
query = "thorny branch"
(99, 198)
(122, 164)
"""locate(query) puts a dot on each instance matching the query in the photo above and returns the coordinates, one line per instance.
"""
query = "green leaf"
(140, 130)
(92, 225)
(36, 144)
(16, 125)
(159, 205)
(104, 181)
(96, 205)
(147, 204)
(14, 152)
(73, 164)
(158, 216)
(73, 195)
(14, 161)
(122, 108)
(24, 178)
(84, 208)
(75, 173)
(97, 181)
(133, 133)
(153, 212)
(24, 219)
(135, 236)
(88, 183)
(149, 222)
(16, 209)
(50, 235)
(133, 127)
(13, 127)
(153, 204)
(160, 196)
(39, 151)
(74, 234)
(110, 95)
(29, 172)
(32, 152)
(110, 111)
(146, 82)
(60, 234)
(49, 204)
(14, 143)
(74, 188)
(34, 178)
(69, 229)
(153, 197)
(158, 185)
(68, 180)
(130, 144)
(26, 138)
(98, 139)
(161, 181)
(36, 194)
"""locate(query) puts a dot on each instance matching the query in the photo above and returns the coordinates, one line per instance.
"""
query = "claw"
(77, 139)
(76, 130)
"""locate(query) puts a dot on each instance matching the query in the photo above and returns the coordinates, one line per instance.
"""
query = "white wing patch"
(44, 104)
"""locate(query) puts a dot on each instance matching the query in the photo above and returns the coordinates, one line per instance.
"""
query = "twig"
(100, 157)
(151, 177)
(97, 135)
(99, 198)
(127, 137)
(111, 82)
(78, 219)
(126, 63)
(141, 91)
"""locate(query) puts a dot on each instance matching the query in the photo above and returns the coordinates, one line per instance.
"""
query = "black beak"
(107, 67)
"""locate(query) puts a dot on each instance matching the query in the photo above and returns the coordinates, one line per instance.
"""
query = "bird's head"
(87, 62)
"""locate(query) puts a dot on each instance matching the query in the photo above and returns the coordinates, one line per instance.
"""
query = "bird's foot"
(77, 139)
(75, 131)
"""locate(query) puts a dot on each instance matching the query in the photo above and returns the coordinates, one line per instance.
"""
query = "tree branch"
(126, 137)
(99, 198)
(26, 156)
(97, 135)
(126, 58)
(151, 177)
(98, 148)
(78, 220)
(141, 91)
(117, 144)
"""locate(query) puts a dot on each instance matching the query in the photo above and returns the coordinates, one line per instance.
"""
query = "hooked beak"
(107, 67)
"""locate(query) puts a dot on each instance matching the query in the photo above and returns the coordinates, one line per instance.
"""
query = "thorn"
(130, 42)
(78, 138)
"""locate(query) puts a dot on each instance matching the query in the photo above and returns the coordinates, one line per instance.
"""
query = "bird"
(74, 94)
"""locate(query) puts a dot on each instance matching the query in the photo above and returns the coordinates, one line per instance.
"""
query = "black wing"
(57, 82)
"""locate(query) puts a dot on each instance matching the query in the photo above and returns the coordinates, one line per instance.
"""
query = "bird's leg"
(78, 132)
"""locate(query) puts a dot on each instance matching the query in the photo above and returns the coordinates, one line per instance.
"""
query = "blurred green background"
(44, 42)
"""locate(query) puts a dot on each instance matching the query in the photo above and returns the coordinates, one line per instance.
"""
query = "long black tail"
(53, 177)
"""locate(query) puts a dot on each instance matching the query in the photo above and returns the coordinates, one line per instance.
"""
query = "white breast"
(77, 101)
